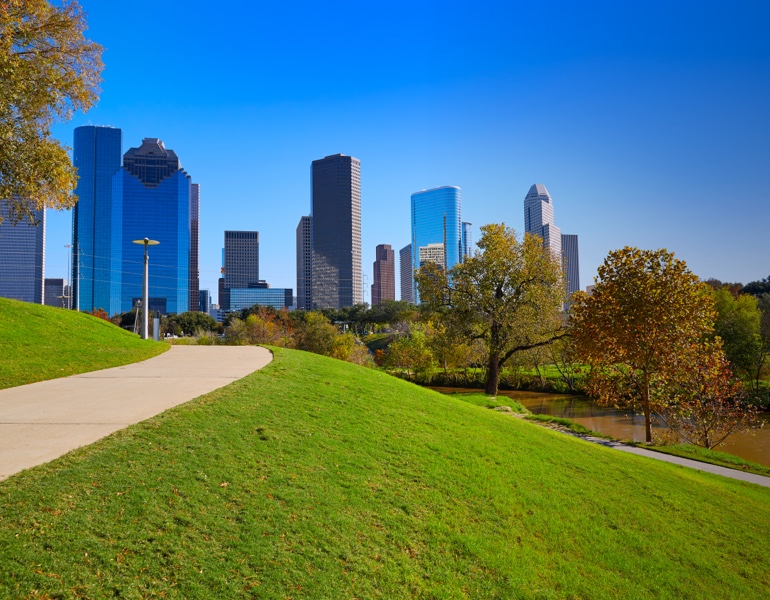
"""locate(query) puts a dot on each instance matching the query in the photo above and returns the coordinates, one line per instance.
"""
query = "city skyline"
(585, 113)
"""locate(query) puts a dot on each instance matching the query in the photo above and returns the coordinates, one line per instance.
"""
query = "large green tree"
(639, 327)
(738, 324)
(509, 294)
(48, 70)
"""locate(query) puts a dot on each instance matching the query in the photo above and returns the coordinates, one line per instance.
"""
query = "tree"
(315, 334)
(48, 70)
(509, 295)
(188, 323)
(706, 404)
(757, 288)
(637, 328)
(738, 325)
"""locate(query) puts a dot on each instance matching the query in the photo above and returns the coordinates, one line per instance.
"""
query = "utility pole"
(146, 292)
(69, 274)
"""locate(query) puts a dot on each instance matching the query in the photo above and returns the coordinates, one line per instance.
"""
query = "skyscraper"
(406, 273)
(467, 239)
(538, 218)
(22, 256)
(384, 286)
(241, 259)
(152, 198)
(336, 232)
(195, 191)
(569, 250)
(304, 264)
(95, 219)
(436, 221)
(56, 293)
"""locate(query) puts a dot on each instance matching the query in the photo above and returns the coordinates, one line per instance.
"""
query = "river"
(624, 425)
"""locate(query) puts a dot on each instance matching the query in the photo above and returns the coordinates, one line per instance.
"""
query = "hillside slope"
(42, 342)
(314, 478)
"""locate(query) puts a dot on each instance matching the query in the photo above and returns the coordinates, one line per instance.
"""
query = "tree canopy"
(48, 70)
(638, 328)
(509, 294)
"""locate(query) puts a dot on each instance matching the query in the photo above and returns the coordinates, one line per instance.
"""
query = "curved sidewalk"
(42, 421)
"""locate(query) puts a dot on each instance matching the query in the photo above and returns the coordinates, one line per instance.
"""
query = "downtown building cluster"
(148, 194)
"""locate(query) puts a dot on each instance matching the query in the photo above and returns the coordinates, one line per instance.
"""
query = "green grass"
(318, 479)
(714, 457)
(42, 342)
(478, 399)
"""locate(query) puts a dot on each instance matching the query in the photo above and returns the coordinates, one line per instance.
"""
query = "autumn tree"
(707, 404)
(48, 70)
(637, 328)
(509, 294)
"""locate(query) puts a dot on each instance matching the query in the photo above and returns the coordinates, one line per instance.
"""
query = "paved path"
(686, 462)
(42, 421)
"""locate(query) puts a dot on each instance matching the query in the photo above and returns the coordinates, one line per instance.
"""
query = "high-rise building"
(241, 259)
(22, 256)
(204, 301)
(384, 286)
(538, 218)
(569, 250)
(56, 293)
(436, 221)
(152, 198)
(195, 204)
(467, 239)
(95, 218)
(336, 232)
(304, 264)
(406, 273)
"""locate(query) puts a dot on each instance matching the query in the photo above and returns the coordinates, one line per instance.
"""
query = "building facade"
(152, 198)
(569, 250)
(384, 286)
(96, 155)
(278, 298)
(204, 301)
(22, 257)
(336, 232)
(436, 221)
(304, 264)
(56, 293)
(467, 239)
(195, 206)
(241, 259)
(405, 272)
(539, 220)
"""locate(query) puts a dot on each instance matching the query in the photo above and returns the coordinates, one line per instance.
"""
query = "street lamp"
(145, 295)
(69, 274)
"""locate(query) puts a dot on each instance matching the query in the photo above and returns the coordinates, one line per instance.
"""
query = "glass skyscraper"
(336, 232)
(437, 229)
(22, 256)
(152, 198)
(96, 155)
(539, 220)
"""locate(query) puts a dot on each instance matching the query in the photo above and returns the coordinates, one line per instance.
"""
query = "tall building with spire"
(539, 220)
(437, 229)
(384, 286)
(336, 232)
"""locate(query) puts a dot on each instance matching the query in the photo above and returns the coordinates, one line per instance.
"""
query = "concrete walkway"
(42, 421)
(685, 462)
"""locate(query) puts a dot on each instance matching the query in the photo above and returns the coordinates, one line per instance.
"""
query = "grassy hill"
(42, 342)
(314, 478)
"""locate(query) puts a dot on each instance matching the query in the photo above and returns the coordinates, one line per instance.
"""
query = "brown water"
(624, 425)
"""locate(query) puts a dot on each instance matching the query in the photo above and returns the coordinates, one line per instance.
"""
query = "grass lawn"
(314, 478)
(42, 342)
(714, 457)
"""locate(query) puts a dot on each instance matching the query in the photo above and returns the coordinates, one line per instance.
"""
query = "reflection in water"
(624, 425)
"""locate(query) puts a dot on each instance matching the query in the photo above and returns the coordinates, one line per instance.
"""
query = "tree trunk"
(493, 373)
(647, 412)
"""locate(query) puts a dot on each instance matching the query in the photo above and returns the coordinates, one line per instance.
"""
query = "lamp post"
(145, 295)
(69, 274)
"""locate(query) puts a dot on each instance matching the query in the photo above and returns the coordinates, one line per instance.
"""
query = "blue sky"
(649, 123)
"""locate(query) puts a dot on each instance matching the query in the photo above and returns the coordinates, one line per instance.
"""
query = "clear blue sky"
(649, 123)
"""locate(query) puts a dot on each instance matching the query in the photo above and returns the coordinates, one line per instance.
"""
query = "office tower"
(405, 271)
(204, 301)
(436, 229)
(152, 197)
(538, 218)
(95, 222)
(467, 239)
(569, 249)
(55, 292)
(22, 256)
(195, 190)
(241, 259)
(262, 295)
(384, 286)
(336, 232)
(304, 264)
(224, 295)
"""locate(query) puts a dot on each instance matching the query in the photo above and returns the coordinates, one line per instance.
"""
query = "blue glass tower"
(97, 158)
(152, 198)
(437, 229)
